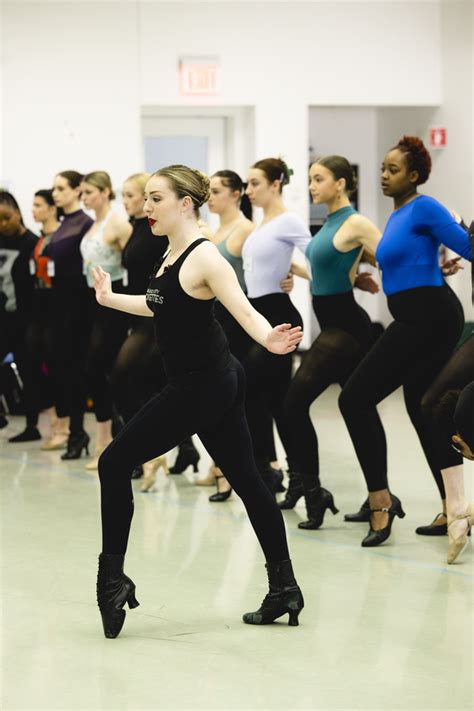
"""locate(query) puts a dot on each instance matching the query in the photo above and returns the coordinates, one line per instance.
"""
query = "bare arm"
(222, 281)
(300, 270)
(117, 232)
(135, 305)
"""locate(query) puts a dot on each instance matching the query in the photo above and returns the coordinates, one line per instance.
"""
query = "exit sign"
(438, 137)
(199, 76)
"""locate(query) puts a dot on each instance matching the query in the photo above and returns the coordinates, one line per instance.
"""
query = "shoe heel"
(293, 618)
(401, 513)
(87, 449)
(132, 602)
(195, 468)
(334, 509)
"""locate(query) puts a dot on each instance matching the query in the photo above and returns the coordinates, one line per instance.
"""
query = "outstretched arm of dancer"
(135, 305)
(222, 281)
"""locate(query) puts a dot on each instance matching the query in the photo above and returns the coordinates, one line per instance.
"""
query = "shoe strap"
(459, 518)
(385, 510)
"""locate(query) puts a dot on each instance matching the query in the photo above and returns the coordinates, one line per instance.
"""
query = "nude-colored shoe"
(457, 545)
(210, 479)
(93, 464)
(59, 434)
(149, 472)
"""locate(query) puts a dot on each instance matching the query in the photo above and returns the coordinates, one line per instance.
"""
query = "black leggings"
(331, 359)
(211, 405)
(457, 373)
(240, 345)
(73, 305)
(411, 353)
(109, 330)
(268, 376)
(138, 370)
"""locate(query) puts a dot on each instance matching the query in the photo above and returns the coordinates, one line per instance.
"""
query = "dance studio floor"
(387, 628)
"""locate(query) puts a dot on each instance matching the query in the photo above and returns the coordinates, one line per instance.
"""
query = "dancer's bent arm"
(222, 281)
(135, 305)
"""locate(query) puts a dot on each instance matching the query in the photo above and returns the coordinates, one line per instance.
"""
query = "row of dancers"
(204, 384)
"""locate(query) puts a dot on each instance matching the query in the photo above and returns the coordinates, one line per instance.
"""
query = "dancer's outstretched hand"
(365, 282)
(102, 285)
(284, 339)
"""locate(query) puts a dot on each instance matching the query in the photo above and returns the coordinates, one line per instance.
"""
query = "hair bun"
(416, 155)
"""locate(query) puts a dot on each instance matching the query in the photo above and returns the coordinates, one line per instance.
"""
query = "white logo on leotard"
(154, 296)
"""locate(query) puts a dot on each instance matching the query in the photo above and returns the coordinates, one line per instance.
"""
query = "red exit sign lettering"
(199, 76)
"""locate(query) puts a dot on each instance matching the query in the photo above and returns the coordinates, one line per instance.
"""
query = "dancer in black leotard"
(16, 299)
(204, 394)
(428, 322)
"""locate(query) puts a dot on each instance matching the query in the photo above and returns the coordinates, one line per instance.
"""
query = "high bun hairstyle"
(73, 177)
(138, 179)
(416, 156)
(101, 180)
(186, 181)
(234, 182)
(340, 168)
(274, 169)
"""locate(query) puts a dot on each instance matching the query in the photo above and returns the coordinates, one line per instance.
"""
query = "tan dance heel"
(59, 434)
(210, 479)
(150, 470)
(457, 545)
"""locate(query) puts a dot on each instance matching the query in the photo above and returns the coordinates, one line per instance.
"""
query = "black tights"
(411, 353)
(331, 359)
(268, 377)
(211, 405)
(138, 371)
(109, 330)
(457, 373)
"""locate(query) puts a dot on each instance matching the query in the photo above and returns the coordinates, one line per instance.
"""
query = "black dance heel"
(220, 495)
(375, 538)
(75, 444)
(434, 529)
(294, 491)
(272, 478)
(360, 516)
(318, 500)
(284, 597)
(114, 590)
(30, 434)
(187, 456)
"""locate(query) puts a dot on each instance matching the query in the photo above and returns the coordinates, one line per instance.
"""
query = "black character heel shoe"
(272, 478)
(294, 491)
(284, 597)
(30, 434)
(75, 444)
(220, 495)
(375, 538)
(188, 456)
(433, 529)
(318, 500)
(114, 589)
(360, 516)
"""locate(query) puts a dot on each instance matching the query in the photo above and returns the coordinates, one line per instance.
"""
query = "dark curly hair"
(416, 156)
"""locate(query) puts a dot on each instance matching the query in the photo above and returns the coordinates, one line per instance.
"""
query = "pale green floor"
(388, 628)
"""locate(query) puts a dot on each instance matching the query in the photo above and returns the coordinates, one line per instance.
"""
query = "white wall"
(77, 74)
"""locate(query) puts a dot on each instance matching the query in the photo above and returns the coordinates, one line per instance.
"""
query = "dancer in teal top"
(333, 256)
(331, 268)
